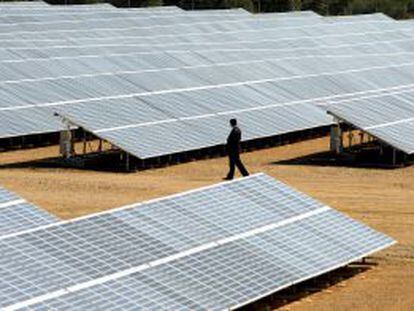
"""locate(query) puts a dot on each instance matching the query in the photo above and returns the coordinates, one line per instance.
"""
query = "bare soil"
(381, 198)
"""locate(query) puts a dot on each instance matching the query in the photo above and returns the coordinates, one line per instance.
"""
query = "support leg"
(84, 142)
(66, 142)
(127, 164)
(350, 139)
(394, 157)
(336, 138)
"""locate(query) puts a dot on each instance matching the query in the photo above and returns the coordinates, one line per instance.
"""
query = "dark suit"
(233, 150)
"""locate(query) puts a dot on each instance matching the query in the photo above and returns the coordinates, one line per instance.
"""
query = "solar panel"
(16, 214)
(76, 66)
(204, 25)
(12, 125)
(119, 21)
(213, 248)
(388, 117)
(155, 124)
(30, 45)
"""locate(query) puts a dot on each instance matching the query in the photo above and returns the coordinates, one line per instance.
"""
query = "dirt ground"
(381, 198)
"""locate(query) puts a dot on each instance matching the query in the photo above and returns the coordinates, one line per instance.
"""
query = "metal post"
(84, 142)
(394, 156)
(66, 141)
(100, 146)
(336, 138)
(362, 136)
(350, 138)
(127, 161)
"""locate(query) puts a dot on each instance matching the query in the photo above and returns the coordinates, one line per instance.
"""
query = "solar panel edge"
(314, 275)
(11, 203)
(133, 205)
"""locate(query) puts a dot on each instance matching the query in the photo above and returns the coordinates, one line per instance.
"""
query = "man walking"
(233, 150)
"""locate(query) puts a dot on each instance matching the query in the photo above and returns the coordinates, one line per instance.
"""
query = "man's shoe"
(227, 178)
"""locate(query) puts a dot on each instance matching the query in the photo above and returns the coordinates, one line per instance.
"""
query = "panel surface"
(16, 214)
(275, 97)
(212, 248)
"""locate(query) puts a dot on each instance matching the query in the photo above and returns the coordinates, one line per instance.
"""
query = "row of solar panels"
(244, 25)
(214, 248)
(116, 86)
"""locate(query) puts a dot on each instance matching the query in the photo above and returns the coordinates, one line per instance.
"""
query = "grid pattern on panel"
(266, 104)
(387, 116)
(71, 65)
(18, 215)
(212, 248)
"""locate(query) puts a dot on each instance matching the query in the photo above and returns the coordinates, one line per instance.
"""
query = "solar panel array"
(154, 124)
(16, 214)
(387, 116)
(132, 75)
(213, 248)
